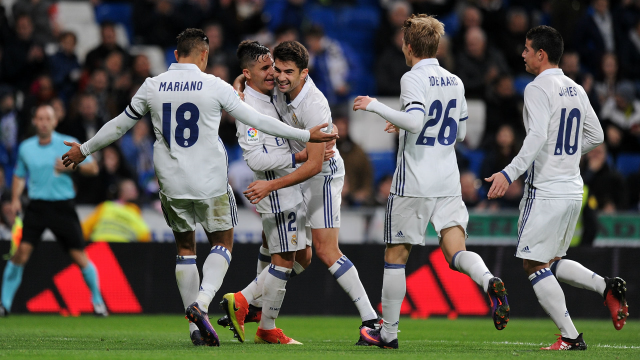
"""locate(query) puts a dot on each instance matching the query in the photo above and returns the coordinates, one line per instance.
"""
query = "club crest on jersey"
(295, 118)
(252, 136)
(294, 240)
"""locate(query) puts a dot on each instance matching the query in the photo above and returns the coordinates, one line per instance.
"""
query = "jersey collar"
(183, 66)
(256, 94)
(305, 89)
(425, 62)
(553, 71)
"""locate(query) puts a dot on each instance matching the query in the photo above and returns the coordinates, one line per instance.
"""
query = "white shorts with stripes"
(545, 227)
(322, 196)
(216, 214)
(285, 231)
(407, 218)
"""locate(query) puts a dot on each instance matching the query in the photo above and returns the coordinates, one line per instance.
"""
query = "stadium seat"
(75, 12)
(628, 163)
(520, 83)
(475, 158)
(154, 54)
(451, 24)
(169, 57)
(476, 123)
(118, 13)
(383, 163)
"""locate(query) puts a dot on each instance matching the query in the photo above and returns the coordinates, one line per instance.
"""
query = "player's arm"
(592, 134)
(238, 85)
(258, 160)
(462, 123)
(111, 131)
(259, 189)
(538, 108)
(18, 183)
(411, 119)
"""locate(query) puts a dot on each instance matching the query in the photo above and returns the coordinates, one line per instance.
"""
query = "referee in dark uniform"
(51, 206)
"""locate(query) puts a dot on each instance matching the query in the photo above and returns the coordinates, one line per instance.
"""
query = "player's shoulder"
(27, 143)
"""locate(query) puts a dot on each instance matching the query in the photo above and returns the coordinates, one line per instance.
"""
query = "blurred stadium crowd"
(87, 59)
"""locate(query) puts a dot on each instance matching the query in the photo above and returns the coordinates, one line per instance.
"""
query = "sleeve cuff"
(293, 161)
(84, 150)
(507, 176)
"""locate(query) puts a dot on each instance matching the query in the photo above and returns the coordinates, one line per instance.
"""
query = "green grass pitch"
(166, 337)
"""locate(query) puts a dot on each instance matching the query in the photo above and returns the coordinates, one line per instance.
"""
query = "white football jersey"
(310, 108)
(268, 156)
(426, 162)
(185, 104)
(560, 125)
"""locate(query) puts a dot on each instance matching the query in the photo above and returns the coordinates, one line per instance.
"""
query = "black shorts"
(58, 216)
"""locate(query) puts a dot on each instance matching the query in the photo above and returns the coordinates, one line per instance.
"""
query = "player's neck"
(544, 67)
(295, 92)
(254, 87)
(45, 140)
(414, 60)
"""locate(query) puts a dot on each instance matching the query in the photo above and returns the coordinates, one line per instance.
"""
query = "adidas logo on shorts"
(525, 249)
(400, 234)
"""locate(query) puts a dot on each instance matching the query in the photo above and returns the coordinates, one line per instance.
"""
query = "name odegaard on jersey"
(181, 86)
(443, 81)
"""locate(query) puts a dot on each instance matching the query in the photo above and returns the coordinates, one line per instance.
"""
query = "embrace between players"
(284, 121)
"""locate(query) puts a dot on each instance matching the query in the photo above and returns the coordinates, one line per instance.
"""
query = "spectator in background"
(383, 190)
(283, 34)
(358, 170)
(392, 21)
(504, 107)
(141, 70)
(570, 65)
(505, 148)
(390, 67)
(96, 57)
(595, 34)
(86, 123)
(444, 55)
(118, 221)
(620, 117)
(479, 65)
(606, 185)
(119, 83)
(40, 92)
(8, 126)
(630, 52)
(99, 87)
(470, 18)
(469, 186)
(218, 52)
(65, 68)
(511, 42)
(137, 149)
(328, 66)
(23, 58)
(39, 12)
(240, 18)
(605, 86)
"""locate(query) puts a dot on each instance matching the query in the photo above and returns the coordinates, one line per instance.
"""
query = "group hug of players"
(284, 129)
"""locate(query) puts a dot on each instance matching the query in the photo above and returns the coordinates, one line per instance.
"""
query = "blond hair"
(423, 33)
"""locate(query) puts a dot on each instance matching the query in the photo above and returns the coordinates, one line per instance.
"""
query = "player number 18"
(183, 122)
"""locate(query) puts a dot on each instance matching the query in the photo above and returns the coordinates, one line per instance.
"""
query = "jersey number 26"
(447, 122)
(183, 124)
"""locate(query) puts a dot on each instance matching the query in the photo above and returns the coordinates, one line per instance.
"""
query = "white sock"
(188, 280)
(253, 291)
(264, 260)
(574, 274)
(551, 297)
(273, 294)
(347, 277)
(471, 264)
(213, 272)
(394, 287)
(297, 269)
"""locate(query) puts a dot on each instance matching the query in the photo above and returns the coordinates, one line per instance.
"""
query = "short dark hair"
(250, 51)
(191, 39)
(548, 39)
(292, 51)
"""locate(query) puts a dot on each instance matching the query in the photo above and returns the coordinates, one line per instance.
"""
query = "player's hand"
(318, 136)
(73, 156)
(391, 129)
(16, 207)
(59, 167)
(238, 86)
(361, 102)
(257, 191)
(499, 186)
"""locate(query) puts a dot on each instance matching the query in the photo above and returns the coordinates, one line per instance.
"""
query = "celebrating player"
(426, 184)
(302, 105)
(561, 126)
(191, 165)
(283, 217)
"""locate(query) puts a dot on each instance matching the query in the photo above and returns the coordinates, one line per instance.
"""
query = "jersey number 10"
(564, 133)
(183, 124)
(447, 122)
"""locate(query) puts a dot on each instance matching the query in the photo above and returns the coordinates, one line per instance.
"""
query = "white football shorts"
(323, 196)
(285, 231)
(215, 214)
(545, 228)
(407, 218)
